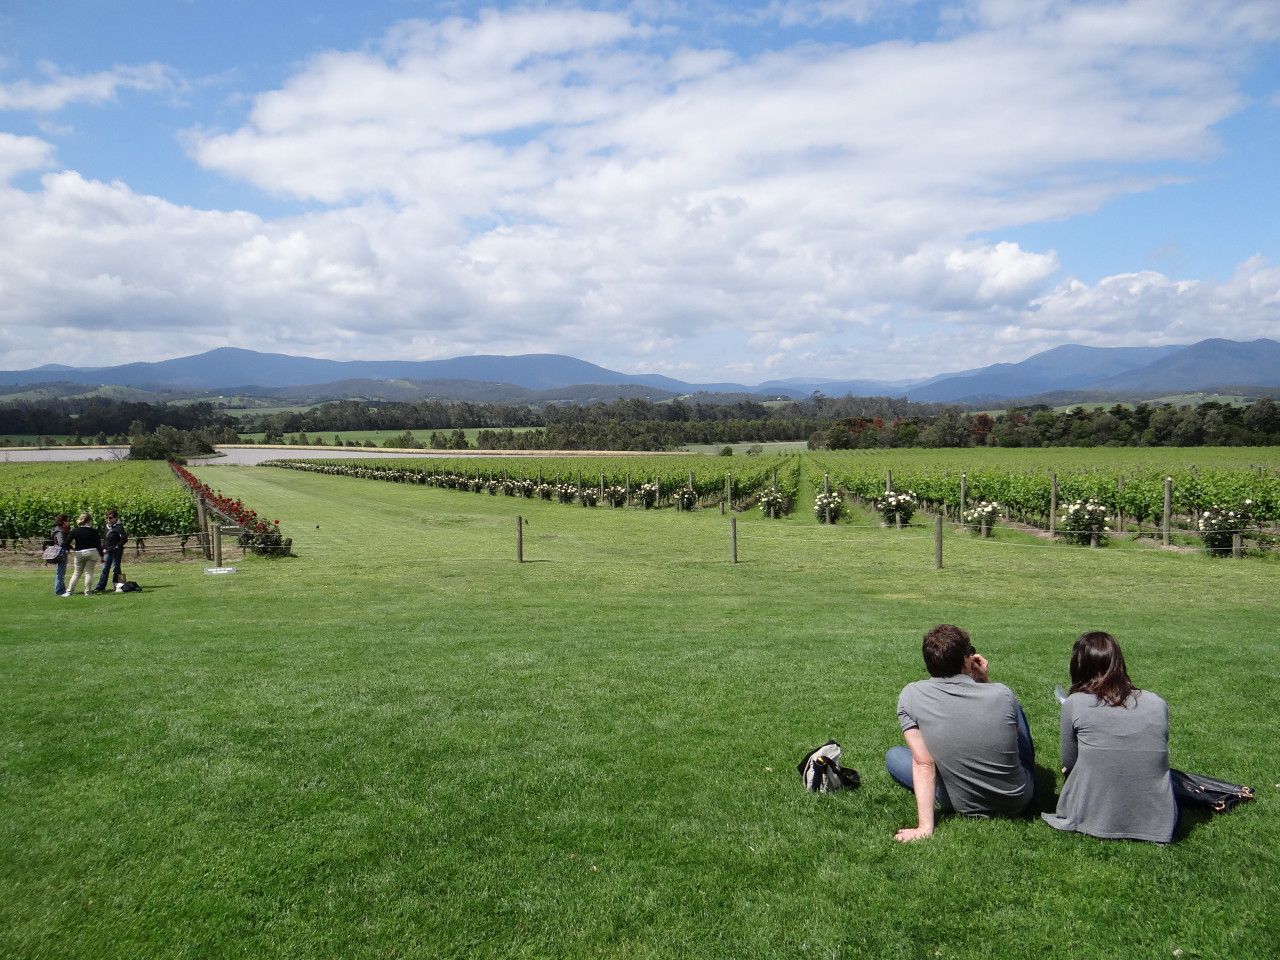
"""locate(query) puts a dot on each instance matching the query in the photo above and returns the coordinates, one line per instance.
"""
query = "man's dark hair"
(945, 647)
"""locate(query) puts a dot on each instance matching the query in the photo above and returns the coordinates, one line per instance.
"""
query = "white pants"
(86, 560)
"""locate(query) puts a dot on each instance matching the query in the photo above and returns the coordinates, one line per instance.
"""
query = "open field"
(378, 437)
(1172, 400)
(402, 743)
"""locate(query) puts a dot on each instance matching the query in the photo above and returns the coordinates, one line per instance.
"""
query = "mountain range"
(1110, 371)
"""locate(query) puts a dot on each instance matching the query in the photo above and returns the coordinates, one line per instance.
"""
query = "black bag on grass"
(1217, 795)
(821, 772)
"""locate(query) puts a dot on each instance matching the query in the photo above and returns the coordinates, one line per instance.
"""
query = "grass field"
(402, 743)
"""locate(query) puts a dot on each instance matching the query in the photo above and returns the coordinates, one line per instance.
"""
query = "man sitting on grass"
(968, 744)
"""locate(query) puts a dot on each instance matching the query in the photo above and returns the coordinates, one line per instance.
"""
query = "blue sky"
(879, 189)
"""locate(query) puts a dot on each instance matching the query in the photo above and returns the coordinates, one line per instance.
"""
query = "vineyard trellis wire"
(617, 482)
(149, 500)
(1034, 495)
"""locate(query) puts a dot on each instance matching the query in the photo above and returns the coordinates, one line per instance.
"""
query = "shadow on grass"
(1189, 818)
(1046, 798)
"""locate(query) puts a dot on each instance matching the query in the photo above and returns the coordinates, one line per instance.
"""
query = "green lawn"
(402, 743)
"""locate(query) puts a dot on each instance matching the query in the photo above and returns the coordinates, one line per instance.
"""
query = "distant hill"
(1070, 367)
(542, 378)
(798, 387)
(62, 389)
(233, 368)
(475, 391)
(1113, 371)
(1208, 363)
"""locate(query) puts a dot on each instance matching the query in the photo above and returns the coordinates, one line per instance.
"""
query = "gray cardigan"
(1117, 759)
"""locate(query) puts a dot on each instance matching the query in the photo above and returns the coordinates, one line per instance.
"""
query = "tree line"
(94, 417)
(1144, 425)
(837, 423)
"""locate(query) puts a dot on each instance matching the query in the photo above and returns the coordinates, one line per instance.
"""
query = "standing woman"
(112, 550)
(1115, 751)
(59, 536)
(88, 551)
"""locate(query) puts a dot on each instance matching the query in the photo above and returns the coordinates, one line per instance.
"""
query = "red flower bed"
(262, 536)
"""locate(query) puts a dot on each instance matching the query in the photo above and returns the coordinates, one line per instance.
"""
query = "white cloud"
(57, 90)
(20, 154)
(562, 180)
(1135, 309)
(1003, 272)
(791, 13)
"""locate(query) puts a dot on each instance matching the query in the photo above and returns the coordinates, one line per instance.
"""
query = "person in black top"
(87, 547)
(58, 537)
(112, 550)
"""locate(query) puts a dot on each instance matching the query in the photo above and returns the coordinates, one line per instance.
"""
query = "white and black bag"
(820, 770)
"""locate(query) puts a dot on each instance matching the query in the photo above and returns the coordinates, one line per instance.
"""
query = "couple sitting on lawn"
(969, 747)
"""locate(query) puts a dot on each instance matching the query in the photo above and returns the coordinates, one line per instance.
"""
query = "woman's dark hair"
(1097, 667)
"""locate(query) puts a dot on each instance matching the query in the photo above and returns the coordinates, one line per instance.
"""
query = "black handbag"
(1217, 795)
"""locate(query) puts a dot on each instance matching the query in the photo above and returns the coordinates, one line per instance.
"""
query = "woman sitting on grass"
(1115, 751)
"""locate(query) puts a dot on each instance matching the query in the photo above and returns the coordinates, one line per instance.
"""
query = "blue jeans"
(898, 762)
(60, 575)
(108, 558)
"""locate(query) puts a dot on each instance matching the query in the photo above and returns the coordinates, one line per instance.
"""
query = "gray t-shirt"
(971, 730)
(1117, 758)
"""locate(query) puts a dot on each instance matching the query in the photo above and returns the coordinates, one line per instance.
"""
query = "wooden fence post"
(964, 494)
(202, 520)
(1168, 508)
(1053, 507)
(937, 542)
(519, 539)
(733, 536)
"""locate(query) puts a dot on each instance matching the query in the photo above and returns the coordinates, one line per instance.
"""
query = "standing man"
(968, 746)
(112, 550)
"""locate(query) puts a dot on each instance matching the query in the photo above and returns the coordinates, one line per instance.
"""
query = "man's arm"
(923, 780)
(975, 665)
